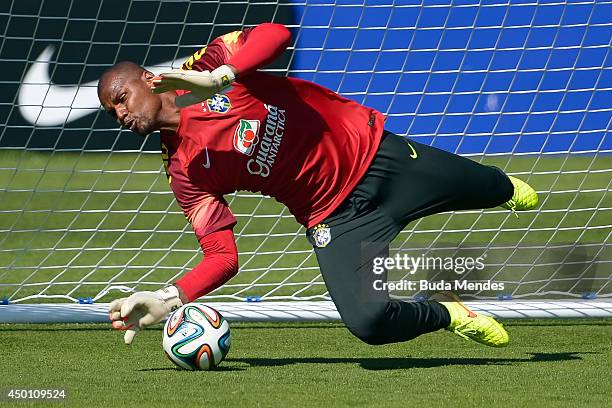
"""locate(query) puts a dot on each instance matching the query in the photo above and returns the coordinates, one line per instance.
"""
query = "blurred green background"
(77, 223)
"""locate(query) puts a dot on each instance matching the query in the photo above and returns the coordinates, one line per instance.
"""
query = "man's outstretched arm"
(214, 68)
(212, 222)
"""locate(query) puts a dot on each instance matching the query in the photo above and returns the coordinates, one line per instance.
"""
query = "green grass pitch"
(548, 364)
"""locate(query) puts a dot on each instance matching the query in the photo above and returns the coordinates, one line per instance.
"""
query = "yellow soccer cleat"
(524, 197)
(469, 325)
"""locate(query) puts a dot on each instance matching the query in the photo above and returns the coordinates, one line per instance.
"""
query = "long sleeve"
(212, 222)
(219, 265)
(245, 50)
(263, 45)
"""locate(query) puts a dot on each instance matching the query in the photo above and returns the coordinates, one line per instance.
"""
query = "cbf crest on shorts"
(320, 235)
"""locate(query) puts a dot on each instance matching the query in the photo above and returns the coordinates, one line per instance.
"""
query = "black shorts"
(406, 181)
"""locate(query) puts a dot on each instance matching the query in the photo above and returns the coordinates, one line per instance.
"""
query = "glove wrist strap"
(170, 295)
(225, 75)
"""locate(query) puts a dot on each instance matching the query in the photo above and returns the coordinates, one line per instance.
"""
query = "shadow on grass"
(409, 362)
(176, 369)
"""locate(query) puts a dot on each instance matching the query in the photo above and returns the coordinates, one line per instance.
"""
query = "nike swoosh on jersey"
(207, 164)
(43, 103)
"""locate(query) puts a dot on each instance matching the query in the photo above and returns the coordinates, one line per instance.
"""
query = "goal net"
(86, 214)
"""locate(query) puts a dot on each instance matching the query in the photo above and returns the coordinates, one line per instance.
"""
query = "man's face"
(126, 96)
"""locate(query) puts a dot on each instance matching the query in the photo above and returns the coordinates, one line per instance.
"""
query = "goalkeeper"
(225, 126)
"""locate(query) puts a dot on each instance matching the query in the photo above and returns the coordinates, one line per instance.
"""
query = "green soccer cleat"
(524, 197)
(467, 324)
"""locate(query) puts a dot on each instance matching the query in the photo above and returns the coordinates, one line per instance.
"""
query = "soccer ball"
(196, 337)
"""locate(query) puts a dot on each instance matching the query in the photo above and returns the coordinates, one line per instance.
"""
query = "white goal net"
(86, 214)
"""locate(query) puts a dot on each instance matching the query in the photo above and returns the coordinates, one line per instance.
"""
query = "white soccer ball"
(196, 337)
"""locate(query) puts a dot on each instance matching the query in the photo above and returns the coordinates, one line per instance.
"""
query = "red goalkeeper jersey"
(291, 139)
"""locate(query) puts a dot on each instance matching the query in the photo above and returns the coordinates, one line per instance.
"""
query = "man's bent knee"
(371, 328)
(393, 321)
(368, 335)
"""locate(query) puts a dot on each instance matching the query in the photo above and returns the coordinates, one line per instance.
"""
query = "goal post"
(86, 214)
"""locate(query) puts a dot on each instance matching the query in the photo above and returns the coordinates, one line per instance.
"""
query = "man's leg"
(358, 235)
(411, 180)
(406, 181)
